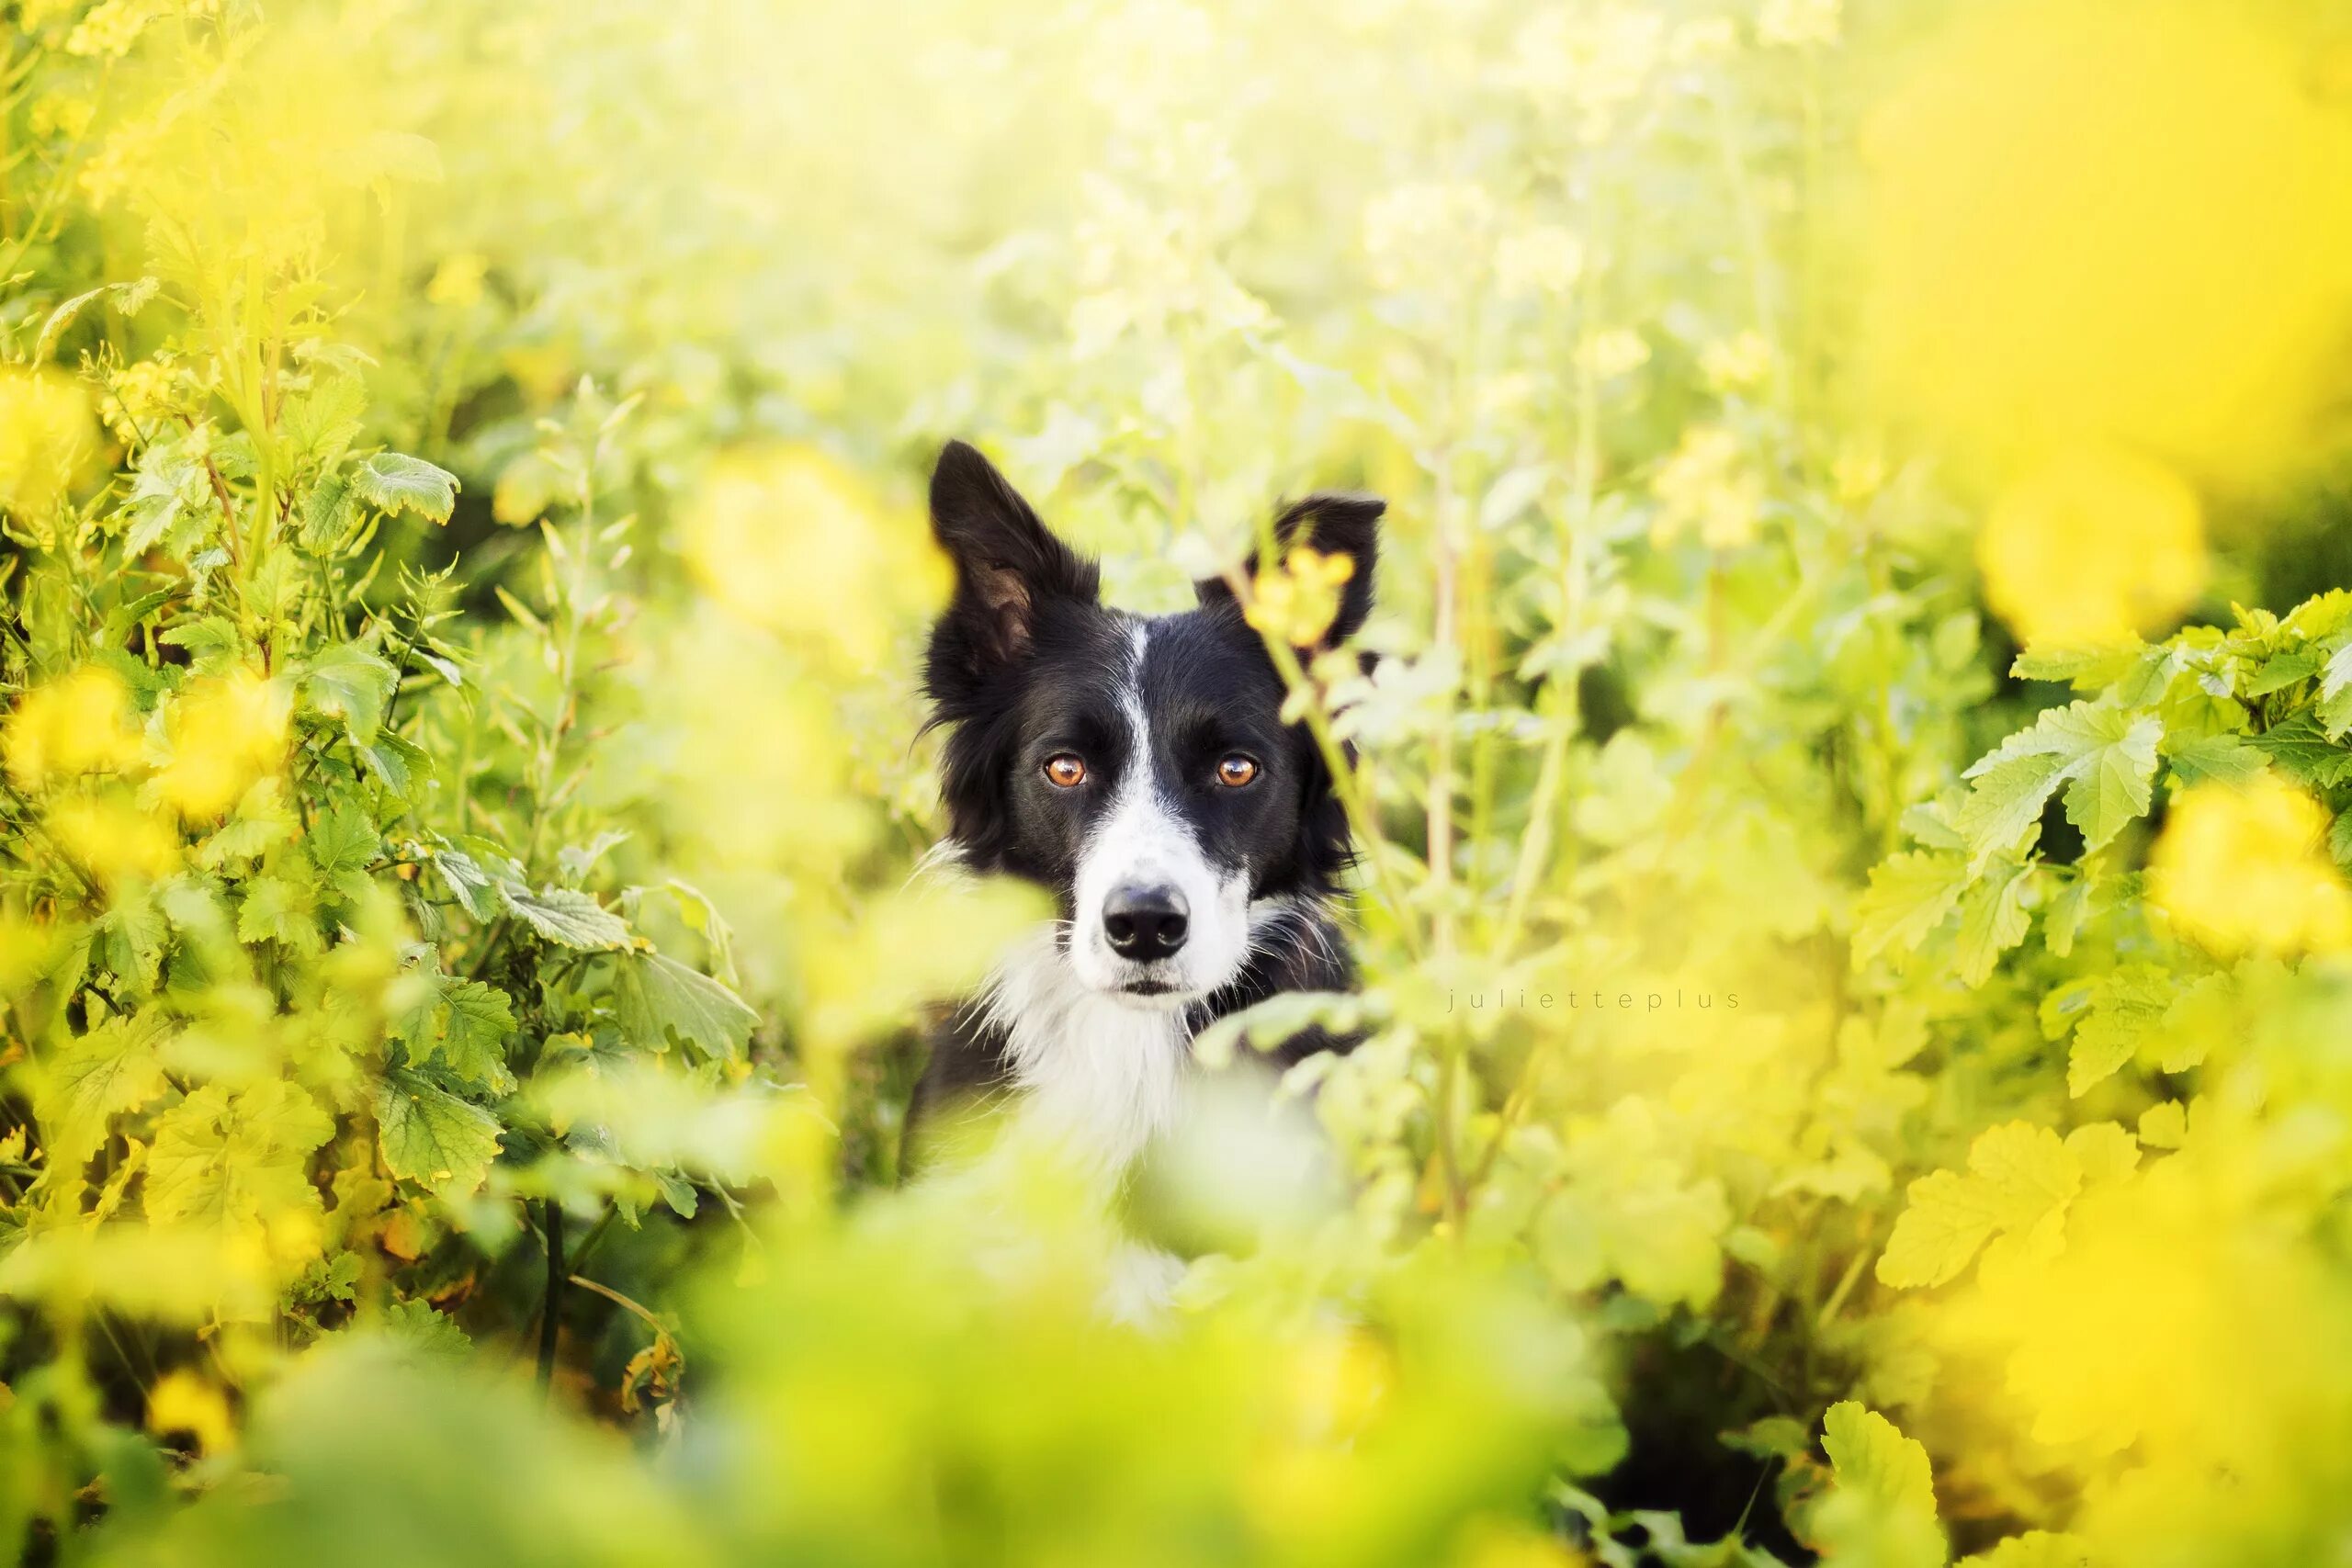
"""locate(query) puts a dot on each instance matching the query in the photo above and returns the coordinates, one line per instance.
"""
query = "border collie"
(1139, 770)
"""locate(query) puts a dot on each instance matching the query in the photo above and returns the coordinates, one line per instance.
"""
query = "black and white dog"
(1139, 770)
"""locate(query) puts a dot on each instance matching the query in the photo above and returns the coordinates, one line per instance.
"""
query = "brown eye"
(1065, 772)
(1236, 771)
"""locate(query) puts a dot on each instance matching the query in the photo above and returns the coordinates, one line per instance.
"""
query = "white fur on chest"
(1100, 1076)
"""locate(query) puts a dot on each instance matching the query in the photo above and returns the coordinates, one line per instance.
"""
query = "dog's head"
(1136, 767)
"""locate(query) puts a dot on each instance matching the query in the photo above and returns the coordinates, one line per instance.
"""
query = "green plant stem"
(1345, 782)
(1535, 848)
(1753, 244)
(551, 1308)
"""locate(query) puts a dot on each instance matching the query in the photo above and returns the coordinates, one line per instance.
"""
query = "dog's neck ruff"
(1101, 1075)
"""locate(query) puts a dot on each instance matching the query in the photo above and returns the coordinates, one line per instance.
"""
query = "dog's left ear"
(1342, 525)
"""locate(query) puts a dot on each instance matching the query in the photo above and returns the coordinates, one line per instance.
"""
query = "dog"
(1141, 771)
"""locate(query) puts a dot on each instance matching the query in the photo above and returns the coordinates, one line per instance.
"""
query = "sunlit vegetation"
(1853, 785)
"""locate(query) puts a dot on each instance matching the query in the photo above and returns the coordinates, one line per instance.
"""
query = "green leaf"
(261, 822)
(327, 515)
(235, 1158)
(441, 664)
(575, 862)
(1881, 1508)
(2034, 1548)
(319, 426)
(566, 917)
(393, 482)
(1992, 920)
(422, 1331)
(2336, 678)
(2334, 713)
(2214, 759)
(2126, 1004)
(1268, 1025)
(1869, 1455)
(2063, 918)
(111, 1069)
(473, 1038)
(2283, 671)
(276, 908)
(323, 1280)
(656, 997)
(345, 681)
(2114, 783)
(343, 842)
(2086, 668)
(396, 763)
(211, 642)
(678, 1193)
(1910, 895)
(430, 1136)
(464, 1023)
(128, 298)
(1930, 823)
(2301, 748)
(1945, 1221)
(2019, 1177)
(2144, 683)
(133, 933)
(466, 882)
(2107, 754)
(171, 501)
(2006, 800)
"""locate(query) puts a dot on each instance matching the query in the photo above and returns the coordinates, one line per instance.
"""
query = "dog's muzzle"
(1144, 923)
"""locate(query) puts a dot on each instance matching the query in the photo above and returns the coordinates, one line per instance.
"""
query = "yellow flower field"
(1853, 778)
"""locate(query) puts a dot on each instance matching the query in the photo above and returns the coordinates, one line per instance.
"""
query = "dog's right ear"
(1347, 526)
(1008, 567)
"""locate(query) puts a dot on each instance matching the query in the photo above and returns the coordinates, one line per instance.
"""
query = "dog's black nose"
(1144, 923)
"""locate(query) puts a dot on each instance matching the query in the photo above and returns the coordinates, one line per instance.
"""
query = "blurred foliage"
(1829, 1088)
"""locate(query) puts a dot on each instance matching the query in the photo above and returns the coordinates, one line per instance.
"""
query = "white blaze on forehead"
(1144, 841)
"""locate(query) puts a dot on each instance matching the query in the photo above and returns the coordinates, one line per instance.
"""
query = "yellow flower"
(1591, 61)
(47, 438)
(1340, 1380)
(62, 114)
(115, 840)
(110, 28)
(791, 541)
(110, 171)
(458, 281)
(78, 725)
(224, 732)
(1531, 264)
(1487, 1543)
(1742, 361)
(1858, 472)
(1617, 352)
(2094, 222)
(2245, 868)
(34, 15)
(1709, 483)
(1417, 234)
(1794, 23)
(1710, 38)
(1299, 600)
(2091, 547)
(183, 1401)
(137, 398)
